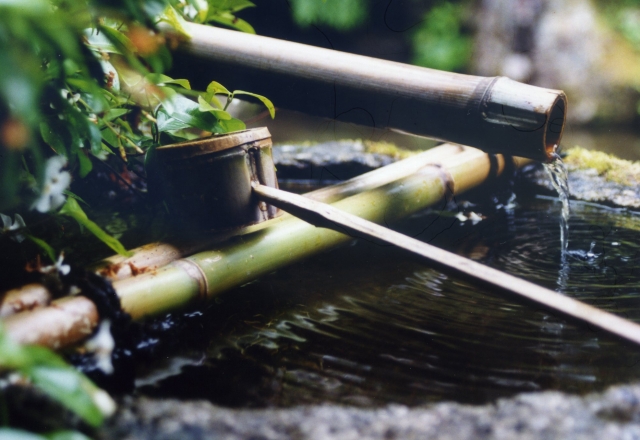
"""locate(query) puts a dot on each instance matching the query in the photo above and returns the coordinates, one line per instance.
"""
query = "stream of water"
(557, 172)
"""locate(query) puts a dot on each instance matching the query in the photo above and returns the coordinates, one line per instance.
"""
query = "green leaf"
(53, 135)
(339, 14)
(233, 5)
(265, 101)
(95, 139)
(167, 123)
(75, 196)
(233, 125)
(67, 435)
(99, 41)
(162, 80)
(160, 60)
(22, 357)
(121, 42)
(184, 110)
(70, 388)
(204, 106)
(49, 372)
(12, 355)
(115, 113)
(175, 20)
(215, 87)
(110, 137)
(230, 20)
(48, 250)
(85, 164)
(91, 92)
(72, 209)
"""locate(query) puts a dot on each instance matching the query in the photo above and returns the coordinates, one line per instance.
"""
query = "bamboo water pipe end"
(521, 120)
(496, 115)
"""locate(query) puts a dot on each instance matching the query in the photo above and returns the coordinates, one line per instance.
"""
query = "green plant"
(339, 14)
(439, 41)
(84, 80)
(42, 368)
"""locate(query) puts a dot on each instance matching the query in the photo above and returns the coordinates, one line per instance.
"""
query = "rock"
(329, 161)
(549, 415)
(615, 182)
(588, 186)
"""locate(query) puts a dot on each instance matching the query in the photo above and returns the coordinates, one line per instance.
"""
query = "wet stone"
(587, 185)
(548, 415)
(326, 162)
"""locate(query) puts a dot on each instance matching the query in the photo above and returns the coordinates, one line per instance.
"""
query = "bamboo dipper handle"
(497, 115)
(326, 216)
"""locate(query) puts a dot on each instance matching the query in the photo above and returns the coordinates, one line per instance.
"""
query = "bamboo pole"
(152, 256)
(67, 321)
(497, 115)
(244, 258)
(27, 297)
(209, 273)
(327, 216)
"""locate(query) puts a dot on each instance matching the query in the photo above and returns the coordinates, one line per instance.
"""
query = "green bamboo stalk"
(209, 273)
(153, 256)
(387, 194)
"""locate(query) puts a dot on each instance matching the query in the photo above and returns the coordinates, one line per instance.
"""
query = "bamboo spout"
(497, 115)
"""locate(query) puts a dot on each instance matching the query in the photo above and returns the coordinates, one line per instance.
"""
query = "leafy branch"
(84, 80)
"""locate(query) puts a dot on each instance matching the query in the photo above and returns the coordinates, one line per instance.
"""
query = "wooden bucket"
(207, 181)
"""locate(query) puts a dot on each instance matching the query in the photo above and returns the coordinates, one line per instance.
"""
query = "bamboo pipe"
(497, 115)
(245, 258)
(27, 297)
(66, 321)
(327, 216)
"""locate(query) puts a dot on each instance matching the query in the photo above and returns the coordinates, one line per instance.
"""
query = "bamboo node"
(194, 271)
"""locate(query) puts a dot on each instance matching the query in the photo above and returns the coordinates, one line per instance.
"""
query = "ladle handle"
(326, 216)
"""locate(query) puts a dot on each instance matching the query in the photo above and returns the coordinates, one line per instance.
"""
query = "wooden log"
(497, 115)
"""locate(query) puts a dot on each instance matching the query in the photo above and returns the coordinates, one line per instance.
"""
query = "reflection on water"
(369, 325)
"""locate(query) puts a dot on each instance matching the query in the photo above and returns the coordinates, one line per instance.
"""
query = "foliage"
(624, 16)
(438, 42)
(81, 81)
(73, 210)
(47, 371)
(438, 38)
(339, 14)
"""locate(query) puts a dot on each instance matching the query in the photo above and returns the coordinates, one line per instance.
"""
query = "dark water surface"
(370, 325)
